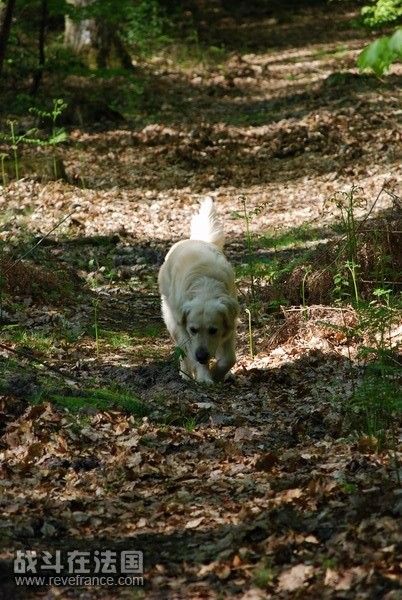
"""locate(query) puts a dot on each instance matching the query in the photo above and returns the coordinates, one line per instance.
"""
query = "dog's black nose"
(202, 356)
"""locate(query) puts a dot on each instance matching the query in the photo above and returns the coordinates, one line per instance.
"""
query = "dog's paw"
(184, 376)
(229, 376)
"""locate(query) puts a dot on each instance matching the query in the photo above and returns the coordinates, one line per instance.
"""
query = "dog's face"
(208, 324)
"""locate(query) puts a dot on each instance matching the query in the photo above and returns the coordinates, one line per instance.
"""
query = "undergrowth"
(361, 270)
(33, 137)
(97, 399)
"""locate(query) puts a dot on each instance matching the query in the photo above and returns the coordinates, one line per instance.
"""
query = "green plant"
(377, 402)
(58, 107)
(102, 399)
(151, 330)
(341, 286)
(246, 215)
(34, 341)
(250, 333)
(189, 424)
(294, 237)
(329, 563)
(349, 488)
(58, 135)
(145, 26)
(177, 355)
(96, 328)
(304, 299)
(3, 157)
(190, 53)
(250, 257)
(268, 269)
(160, 399)
(353, 269)
(15, 140)
(117, 339)
(380, 54)
(264, 574)
(381, 12)
(339, 52)
(347, 203)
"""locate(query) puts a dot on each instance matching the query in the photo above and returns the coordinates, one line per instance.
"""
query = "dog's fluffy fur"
(199, 304)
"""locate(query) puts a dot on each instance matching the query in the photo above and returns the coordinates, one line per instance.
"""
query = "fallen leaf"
(35, 450)
(294, 578)
(194, 523)
(266, 462)
(121, 428)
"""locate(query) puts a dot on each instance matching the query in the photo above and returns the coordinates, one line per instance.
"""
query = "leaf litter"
(260, 488)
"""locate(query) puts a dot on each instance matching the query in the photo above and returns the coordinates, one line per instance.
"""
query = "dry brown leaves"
(261, 488)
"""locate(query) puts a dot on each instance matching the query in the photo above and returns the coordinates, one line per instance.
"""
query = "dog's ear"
(229, 310)
(185, 311)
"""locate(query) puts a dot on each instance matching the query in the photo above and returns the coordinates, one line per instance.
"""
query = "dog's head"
(209, 323)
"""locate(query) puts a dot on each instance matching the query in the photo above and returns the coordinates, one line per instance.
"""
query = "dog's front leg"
(203, 374)
(186, 364)
(180, 338)
(185, 368)
(225, 359)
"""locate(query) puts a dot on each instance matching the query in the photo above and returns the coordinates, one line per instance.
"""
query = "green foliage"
(178, 354)
(141, 24)
(379, 55)
(377, 404)
(102, 399)
(58, 107)
(57, 136)
(250, 333)
(341, 286)
(38, 342)
(145, 26)
(346, 278)
(15, 140)
(96, 326)
(189, 424)
(250, 256)
(291, 238)
(382, 12)
(3, 157)
(264, 573)
(304, 299)
(376, 401)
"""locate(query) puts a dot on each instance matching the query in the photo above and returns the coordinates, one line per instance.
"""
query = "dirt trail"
(260, 488)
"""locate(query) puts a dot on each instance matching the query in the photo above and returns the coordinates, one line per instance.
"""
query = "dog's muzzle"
(202, 356)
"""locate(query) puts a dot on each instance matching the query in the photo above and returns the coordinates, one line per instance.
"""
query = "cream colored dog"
(199, 304)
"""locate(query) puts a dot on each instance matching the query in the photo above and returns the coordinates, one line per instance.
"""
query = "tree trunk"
(41, 47)
(6, 15)
(94, 41)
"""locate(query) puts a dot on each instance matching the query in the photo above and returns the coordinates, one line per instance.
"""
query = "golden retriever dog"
(199, 304)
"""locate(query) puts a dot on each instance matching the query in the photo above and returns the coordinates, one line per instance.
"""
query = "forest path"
(260, 487)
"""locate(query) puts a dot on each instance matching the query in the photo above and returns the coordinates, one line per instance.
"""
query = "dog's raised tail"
(205, 225)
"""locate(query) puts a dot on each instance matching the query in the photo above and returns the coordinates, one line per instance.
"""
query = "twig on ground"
(41, 362)
(40, 241)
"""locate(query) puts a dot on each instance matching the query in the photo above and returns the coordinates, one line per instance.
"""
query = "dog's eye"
(193, 330)
(212, 330)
